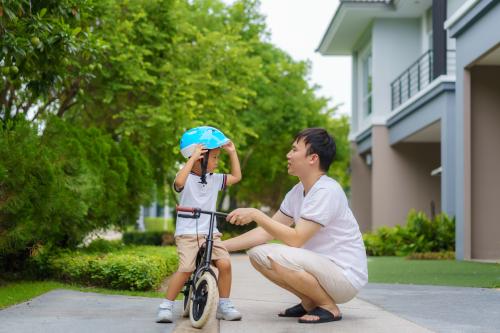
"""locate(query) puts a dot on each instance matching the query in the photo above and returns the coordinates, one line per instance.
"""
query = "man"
(323, 258)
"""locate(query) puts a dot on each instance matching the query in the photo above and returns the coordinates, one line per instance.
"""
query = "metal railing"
(417, 76)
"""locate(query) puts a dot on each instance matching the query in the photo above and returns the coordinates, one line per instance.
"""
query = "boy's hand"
(229, 147)
(199, 150)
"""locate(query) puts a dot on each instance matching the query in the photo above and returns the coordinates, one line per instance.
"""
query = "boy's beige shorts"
(187, 248)
(329, 275)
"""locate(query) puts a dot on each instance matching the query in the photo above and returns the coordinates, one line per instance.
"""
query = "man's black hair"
(320, 143)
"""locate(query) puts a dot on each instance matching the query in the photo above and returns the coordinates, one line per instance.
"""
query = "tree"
(47, 53)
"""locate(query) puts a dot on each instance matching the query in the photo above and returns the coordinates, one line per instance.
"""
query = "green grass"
(17, 292)
(159, 224)
(433, 272)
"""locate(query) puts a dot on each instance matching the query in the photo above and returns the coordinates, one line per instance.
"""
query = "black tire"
(188, 296)
(204, 302)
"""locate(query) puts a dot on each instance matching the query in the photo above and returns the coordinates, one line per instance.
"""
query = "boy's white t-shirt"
(340, 239)
(197, 195)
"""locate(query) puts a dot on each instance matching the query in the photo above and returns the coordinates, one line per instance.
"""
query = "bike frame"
(195, 213)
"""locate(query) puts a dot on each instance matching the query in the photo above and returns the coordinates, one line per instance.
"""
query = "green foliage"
(103, 246)
(143, 238)
(47, 55)
(132, 268)
(419, 235)
(57, 187)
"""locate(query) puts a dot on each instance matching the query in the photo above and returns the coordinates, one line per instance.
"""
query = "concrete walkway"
(391, 308)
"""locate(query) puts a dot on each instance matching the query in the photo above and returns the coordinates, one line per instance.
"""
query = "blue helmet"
(209, 137)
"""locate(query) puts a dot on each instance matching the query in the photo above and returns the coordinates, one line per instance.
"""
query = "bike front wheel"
(204, 300)
(188, 296)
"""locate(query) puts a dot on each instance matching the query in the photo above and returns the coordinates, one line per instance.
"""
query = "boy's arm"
(181, 177)
(235, 175)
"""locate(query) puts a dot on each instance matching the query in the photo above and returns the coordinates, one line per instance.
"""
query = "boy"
(198, 187)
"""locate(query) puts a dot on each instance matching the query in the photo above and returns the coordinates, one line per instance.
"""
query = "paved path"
(64, 311)
(260, 301)
(391, 308)
(443, 309)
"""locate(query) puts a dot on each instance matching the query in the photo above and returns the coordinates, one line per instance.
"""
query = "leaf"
(42, 12)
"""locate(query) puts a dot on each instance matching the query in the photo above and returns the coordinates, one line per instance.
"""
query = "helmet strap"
(204, 164)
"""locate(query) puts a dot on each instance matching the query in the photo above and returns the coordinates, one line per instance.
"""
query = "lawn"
(433, 272)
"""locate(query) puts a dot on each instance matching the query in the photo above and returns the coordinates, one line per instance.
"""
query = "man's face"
(298, 161)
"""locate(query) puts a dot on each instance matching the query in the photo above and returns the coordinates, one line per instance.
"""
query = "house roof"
(353, 17)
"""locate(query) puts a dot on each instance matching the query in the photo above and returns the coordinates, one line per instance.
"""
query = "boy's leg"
(225, 277)
(226, 309)
(166, 309)
(175, 284)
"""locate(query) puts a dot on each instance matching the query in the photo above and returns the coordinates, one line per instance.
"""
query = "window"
(367, 84)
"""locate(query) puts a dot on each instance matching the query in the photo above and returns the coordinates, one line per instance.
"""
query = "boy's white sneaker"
(227, 311)
(165, 313)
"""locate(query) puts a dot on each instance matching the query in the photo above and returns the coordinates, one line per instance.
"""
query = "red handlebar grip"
(184, 209)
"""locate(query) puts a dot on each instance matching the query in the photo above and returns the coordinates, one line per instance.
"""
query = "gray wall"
(471, 45)
(485, 162)
(361, 190)
(396, 45)
(401, 178)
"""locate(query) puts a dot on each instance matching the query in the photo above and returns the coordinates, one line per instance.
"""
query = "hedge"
(132, 268)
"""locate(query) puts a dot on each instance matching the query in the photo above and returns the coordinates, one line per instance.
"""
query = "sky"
(297, 27)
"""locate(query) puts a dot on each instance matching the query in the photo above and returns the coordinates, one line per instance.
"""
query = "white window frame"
(365, 95)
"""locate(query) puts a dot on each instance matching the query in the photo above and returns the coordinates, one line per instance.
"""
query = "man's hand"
(229, 147)
(242, 216)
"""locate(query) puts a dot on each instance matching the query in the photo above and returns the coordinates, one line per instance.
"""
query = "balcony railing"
(417, 77)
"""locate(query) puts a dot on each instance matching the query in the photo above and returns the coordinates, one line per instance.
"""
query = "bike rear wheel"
(204, 301)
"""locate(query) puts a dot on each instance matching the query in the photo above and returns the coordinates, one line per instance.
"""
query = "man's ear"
(314, 158)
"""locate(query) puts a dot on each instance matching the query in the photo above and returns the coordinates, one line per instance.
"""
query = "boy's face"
(213, 159)
(298, 160)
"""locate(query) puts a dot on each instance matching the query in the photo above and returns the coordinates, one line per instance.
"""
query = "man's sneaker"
(227, 311)
(164, 313)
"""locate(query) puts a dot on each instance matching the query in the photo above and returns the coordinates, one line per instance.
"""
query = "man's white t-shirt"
(197, 195)
(340, 239)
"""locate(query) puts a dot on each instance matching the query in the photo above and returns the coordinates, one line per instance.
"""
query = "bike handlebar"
(185, 209)
(196, 212)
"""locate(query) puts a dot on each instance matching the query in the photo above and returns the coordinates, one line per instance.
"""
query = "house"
(425, 124)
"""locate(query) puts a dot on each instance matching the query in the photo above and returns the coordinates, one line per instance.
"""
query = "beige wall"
(485, 162)
(361, 190)
(401, 178)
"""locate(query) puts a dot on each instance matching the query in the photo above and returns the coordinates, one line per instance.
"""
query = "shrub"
(419, 235)
(132, 268)
(104, 246)
(143, 238)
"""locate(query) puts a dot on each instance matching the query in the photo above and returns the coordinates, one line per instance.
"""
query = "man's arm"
(235, 175)
(255, 236)
(295, 237)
